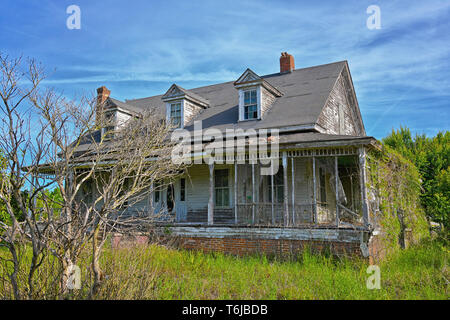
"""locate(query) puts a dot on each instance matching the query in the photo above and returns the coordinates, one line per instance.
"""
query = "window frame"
(171, 113)
(251, 103)
(226, 189)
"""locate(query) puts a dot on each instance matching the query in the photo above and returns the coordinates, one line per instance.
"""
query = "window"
(322, 189)
(175, 114)
(222, 190)
(278, 187)
(157, 192)
(183, 189)
(250, 105)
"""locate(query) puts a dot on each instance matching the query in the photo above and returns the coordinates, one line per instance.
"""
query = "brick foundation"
(250, 241)
(277, 247)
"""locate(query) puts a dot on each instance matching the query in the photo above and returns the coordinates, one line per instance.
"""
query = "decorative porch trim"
(323, 152)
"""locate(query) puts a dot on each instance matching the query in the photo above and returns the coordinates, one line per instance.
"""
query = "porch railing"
(273, 214)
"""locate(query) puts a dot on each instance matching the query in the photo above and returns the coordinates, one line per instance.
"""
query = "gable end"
(341, 114)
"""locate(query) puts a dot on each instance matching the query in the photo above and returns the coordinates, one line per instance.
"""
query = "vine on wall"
(396, 188)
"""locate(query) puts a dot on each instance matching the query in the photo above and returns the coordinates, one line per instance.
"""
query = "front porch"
(317, 199)
(322, 188)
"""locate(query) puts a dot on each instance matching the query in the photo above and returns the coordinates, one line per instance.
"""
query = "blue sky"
(139, 48)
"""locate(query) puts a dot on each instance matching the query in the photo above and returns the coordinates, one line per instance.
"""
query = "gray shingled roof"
(188, 93)
(305, 92)
(111, 102)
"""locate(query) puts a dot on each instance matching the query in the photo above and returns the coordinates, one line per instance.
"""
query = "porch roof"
(316, 139)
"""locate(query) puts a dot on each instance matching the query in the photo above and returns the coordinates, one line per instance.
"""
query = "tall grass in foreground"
(155, 272)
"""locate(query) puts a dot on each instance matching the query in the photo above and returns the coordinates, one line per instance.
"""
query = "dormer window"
(182, 105)
(175, 114)
(250, 105)
(256, 95)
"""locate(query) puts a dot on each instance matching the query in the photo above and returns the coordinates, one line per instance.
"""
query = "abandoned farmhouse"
(317, 197)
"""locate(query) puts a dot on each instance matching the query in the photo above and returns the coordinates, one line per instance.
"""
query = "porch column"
(362, 173)
(352, 192)
(285, 186)
(314, 189)
(235, 192)
(293, 190)
(211, 195)
(272, 193)
(253, 193)
(336, 182)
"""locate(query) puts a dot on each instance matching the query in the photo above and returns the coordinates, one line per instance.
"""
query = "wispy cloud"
(140, 48)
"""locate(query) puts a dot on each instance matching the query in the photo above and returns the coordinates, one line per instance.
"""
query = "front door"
(170, 198)
(180, 206)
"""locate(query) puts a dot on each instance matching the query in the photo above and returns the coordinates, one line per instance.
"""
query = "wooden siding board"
(342, 235)
(338, 115)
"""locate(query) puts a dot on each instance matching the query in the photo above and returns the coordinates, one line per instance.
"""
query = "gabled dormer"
(182, 105)
(256, 95)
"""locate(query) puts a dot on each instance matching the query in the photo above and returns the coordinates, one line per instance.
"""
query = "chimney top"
(102, 94)
(286, 62)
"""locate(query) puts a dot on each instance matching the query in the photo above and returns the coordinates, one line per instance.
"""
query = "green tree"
(431, 156)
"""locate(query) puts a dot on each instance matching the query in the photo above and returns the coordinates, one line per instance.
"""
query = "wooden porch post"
(235, 192)
(211, 195)
(336, 182)
(285, 185)
(272, 195)
(314, 189)
(352, 192)
(362, 173)
(253, 193)
(293, 190)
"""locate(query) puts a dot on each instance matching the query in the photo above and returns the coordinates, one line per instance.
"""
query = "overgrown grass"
(155, 272)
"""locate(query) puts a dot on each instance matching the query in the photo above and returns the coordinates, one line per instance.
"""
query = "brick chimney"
(286, 62)
(102, 95)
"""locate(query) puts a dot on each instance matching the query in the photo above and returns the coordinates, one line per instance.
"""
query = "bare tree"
(100, 167)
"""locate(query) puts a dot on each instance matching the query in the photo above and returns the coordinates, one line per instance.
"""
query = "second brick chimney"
(102, 95)
(286, 62)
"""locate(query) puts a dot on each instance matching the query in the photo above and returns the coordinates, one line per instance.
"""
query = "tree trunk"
(67, 269)
(98, 273)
